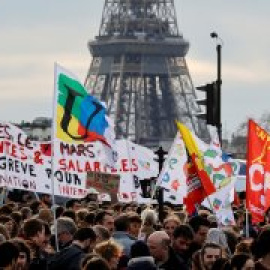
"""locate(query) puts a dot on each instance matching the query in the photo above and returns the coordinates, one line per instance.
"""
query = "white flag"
(173, 175)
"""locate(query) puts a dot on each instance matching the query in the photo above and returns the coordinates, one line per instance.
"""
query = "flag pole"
(4, 190)
(247, 223)
(52, 159)
(3, 195)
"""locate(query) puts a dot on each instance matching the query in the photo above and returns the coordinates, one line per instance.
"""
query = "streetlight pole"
(160, 159)
(218, 84)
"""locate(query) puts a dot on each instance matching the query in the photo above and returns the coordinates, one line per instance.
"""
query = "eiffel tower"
(139, 70)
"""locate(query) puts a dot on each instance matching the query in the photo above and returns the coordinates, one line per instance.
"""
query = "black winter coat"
(69, 258)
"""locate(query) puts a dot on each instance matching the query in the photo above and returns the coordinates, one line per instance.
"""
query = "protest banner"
(104, 183)
(135, 164)
(21, 161)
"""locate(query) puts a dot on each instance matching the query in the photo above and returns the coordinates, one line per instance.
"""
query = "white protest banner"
(26, 165)
(81, 131)
(72, 162)
(173, 177)
(22, 161)
(135, 163)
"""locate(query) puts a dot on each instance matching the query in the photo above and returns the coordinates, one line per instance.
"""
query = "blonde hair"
(108, 249)
(173, 218)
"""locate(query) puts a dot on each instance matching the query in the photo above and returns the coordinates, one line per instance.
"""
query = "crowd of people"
(83, 234)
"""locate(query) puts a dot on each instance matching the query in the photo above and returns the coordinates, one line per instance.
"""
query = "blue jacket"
(125, 240)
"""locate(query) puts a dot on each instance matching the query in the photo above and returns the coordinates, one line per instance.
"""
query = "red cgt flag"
(258, 172)
(195, 191)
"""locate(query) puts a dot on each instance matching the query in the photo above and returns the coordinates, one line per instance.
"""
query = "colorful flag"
(258, 172)
(220, 203)
(196, 156)
(79, 117)
(221, 168)
(174, 173)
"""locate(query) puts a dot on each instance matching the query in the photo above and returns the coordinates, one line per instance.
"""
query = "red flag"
(196, 157)
(258, 172)
(195, 191)
(236, 200)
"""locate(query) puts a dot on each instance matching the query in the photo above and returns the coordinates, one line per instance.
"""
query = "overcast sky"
(36, 33)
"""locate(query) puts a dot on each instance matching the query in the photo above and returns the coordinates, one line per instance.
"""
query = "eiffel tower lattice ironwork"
(139, 70)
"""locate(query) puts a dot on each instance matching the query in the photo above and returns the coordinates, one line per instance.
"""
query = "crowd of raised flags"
(194, 174)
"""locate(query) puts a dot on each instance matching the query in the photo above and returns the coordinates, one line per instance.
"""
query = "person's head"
(26, 213)
(242, 262)
(86, 237)
(204, 213)
(66, 228)
(73, 204)
(218, 237)
(9, 224)
(243, 247)
(35, 206)
(149, 216)
(182, 215)
(9, 255)
(158, 243)
(96, 263)
(4, 231)
(139, 249)
(135, 223)
(59, 210)
(121, 223)
(81, 214)
(170, 223)
(46, 200)
(213, 221)
(182, 238)
(70, 214)
(90, 218)
(34, 230)
(200, 227)
(261, 246)
(87, 257)
(110, 251)
(5, 210)
(102, 233)
(117, 208)
(24, 258)
(221, 264)
(127, 208)
(45, 215)
(209, 254)
(16, 216)
(105, 218)
(239, 217)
